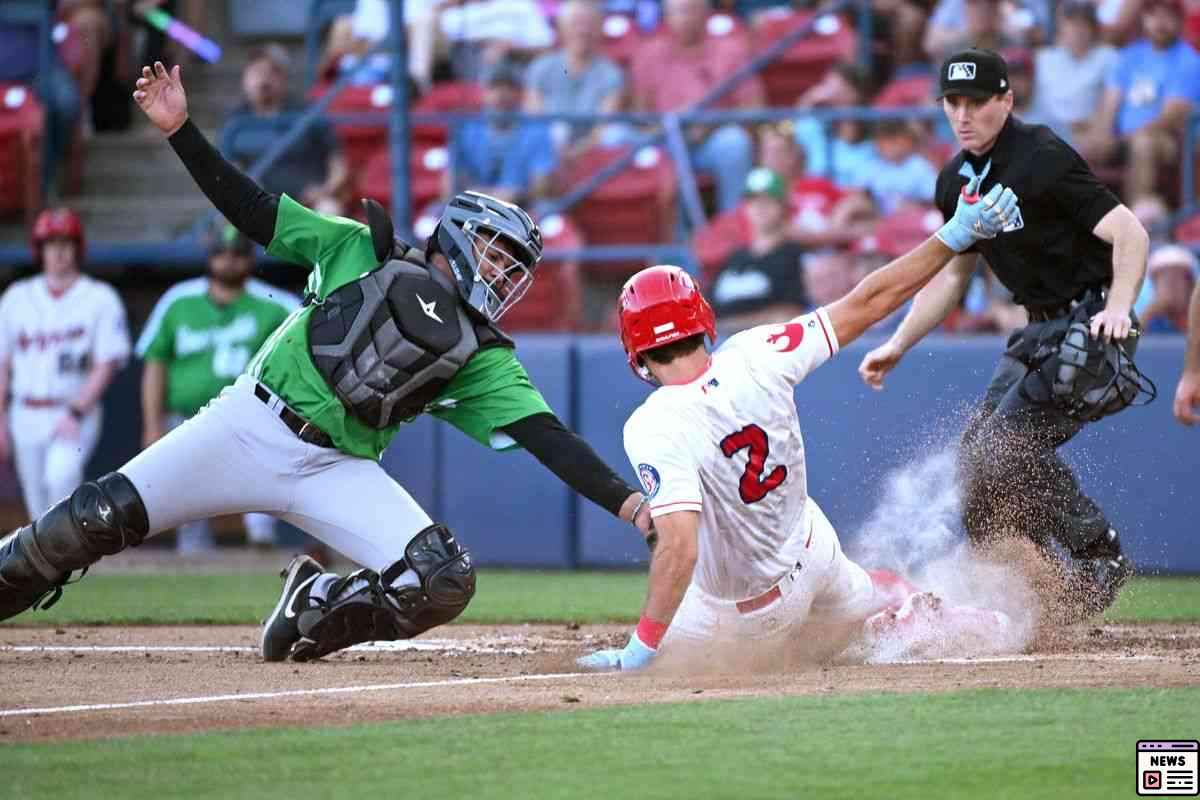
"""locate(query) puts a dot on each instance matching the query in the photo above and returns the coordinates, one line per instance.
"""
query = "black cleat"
(281, 631)
(1101, 571)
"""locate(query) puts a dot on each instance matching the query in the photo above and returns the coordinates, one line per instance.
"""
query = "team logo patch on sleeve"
(786, 338)
(648, 475)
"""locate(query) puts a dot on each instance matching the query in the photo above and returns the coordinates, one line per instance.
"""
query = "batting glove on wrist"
(635, 655)
(977, 218)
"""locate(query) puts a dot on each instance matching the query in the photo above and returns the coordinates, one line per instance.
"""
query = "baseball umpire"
(386, 332)
(1074, 257)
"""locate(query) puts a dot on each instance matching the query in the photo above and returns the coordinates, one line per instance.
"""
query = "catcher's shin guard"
(365, 607)
(98, 519)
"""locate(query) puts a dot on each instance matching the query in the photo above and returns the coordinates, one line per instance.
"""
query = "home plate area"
(99, 682)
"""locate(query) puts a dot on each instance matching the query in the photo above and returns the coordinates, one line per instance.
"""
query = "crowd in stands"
(795, 211)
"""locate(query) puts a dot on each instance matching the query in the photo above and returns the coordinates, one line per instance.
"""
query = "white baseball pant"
(236, 456)
(825, 587)
(49, 467)
(197, 537)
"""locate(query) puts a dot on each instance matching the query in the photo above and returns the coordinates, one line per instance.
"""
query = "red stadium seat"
(427, 167)
(444, 97)
(1189, 230)
(715, 242)
(21, 126)
(361, 140)
(913, 91)
(904, 230)
(805, 63)
(636, 206)
(555, 300)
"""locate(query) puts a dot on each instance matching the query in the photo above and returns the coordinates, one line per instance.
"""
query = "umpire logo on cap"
(961, 71)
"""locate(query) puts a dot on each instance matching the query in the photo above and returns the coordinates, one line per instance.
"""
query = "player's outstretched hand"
(160, 95)
(635, 655)
(878, 363)
(1187, 399)
(976, 217)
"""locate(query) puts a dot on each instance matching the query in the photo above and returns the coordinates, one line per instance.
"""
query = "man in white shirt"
(741, 549)
(63, 337)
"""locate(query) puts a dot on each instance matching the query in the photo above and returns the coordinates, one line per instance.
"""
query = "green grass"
(977, 745)
(504, 596)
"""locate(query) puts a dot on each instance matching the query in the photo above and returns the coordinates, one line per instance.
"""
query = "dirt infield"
(83, 683)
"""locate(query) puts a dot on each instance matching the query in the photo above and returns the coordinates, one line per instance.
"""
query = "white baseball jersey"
(53, 342)
(728, 445)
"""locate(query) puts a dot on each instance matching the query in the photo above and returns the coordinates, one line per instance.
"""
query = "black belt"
(305, 431)
(1047, 313)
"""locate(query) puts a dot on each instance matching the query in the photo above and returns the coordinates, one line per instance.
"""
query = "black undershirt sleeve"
(570, 458)
(243, 202)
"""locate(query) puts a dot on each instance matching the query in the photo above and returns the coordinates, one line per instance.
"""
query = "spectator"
(1173, 271)
(507, 159)
(896, 173)
(198, 339)
(897, 27)
(576, 77)
(313, 169)
(677, 69)
(1069, 77)
(764, 281)
(841, 156)
(458, 39)
(959, 24)
(20, 51)
(1149, 96)
(816, 201)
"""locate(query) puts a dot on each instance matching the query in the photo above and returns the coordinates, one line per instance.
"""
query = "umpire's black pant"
(1014, 482)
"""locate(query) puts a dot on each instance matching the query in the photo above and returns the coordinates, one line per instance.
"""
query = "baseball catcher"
(387, 331)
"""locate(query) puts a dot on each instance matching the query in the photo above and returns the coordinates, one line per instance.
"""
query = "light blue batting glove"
(635, 655)
(978, 218)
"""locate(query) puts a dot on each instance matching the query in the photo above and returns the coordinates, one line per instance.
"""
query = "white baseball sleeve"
(112, 332)
(664, 464)
(7, 331)
(790, 350)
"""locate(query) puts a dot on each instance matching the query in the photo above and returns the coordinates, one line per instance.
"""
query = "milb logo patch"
(648, 475)
(961, 71)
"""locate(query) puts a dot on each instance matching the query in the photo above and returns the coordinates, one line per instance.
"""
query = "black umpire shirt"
(1048, 256)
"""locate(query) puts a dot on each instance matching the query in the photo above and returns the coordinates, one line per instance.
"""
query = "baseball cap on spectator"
(227, 239)
(974, 73)
(763, 181)
(1173, 256)
(503, 72)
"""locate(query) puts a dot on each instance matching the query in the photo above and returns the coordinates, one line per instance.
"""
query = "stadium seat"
(427, 170)
(636, 206)
(802, 65)
(916, 90)
(442, 98)
(904, 230)
(555, 300)
(715, 242)
(361, 140)
(1189, 230)
(21, 126)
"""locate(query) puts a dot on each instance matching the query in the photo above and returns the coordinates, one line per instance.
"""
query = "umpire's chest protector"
(388, 343)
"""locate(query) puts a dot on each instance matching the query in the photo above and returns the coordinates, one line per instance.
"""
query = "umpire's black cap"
(974, 73)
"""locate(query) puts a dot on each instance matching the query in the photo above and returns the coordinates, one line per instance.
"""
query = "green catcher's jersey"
(205, 346)
(490, 391)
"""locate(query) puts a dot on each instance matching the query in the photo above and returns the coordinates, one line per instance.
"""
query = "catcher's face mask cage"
(493, 248)
(1089, 378)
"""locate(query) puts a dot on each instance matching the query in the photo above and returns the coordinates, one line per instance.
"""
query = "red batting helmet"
(57, 223)
(658, 306)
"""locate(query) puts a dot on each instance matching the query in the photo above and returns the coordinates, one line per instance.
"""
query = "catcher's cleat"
(1099, 573)
(280, 630)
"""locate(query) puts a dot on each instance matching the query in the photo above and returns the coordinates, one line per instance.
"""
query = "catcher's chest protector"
(389, 342)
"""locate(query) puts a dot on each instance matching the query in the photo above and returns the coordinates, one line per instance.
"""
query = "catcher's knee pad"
(99, 518)
(365, 606)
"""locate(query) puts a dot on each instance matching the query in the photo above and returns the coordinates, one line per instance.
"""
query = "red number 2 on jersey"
(753, 486)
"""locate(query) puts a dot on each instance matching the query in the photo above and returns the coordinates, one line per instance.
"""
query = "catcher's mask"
(1085, 376)
(493, 248)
